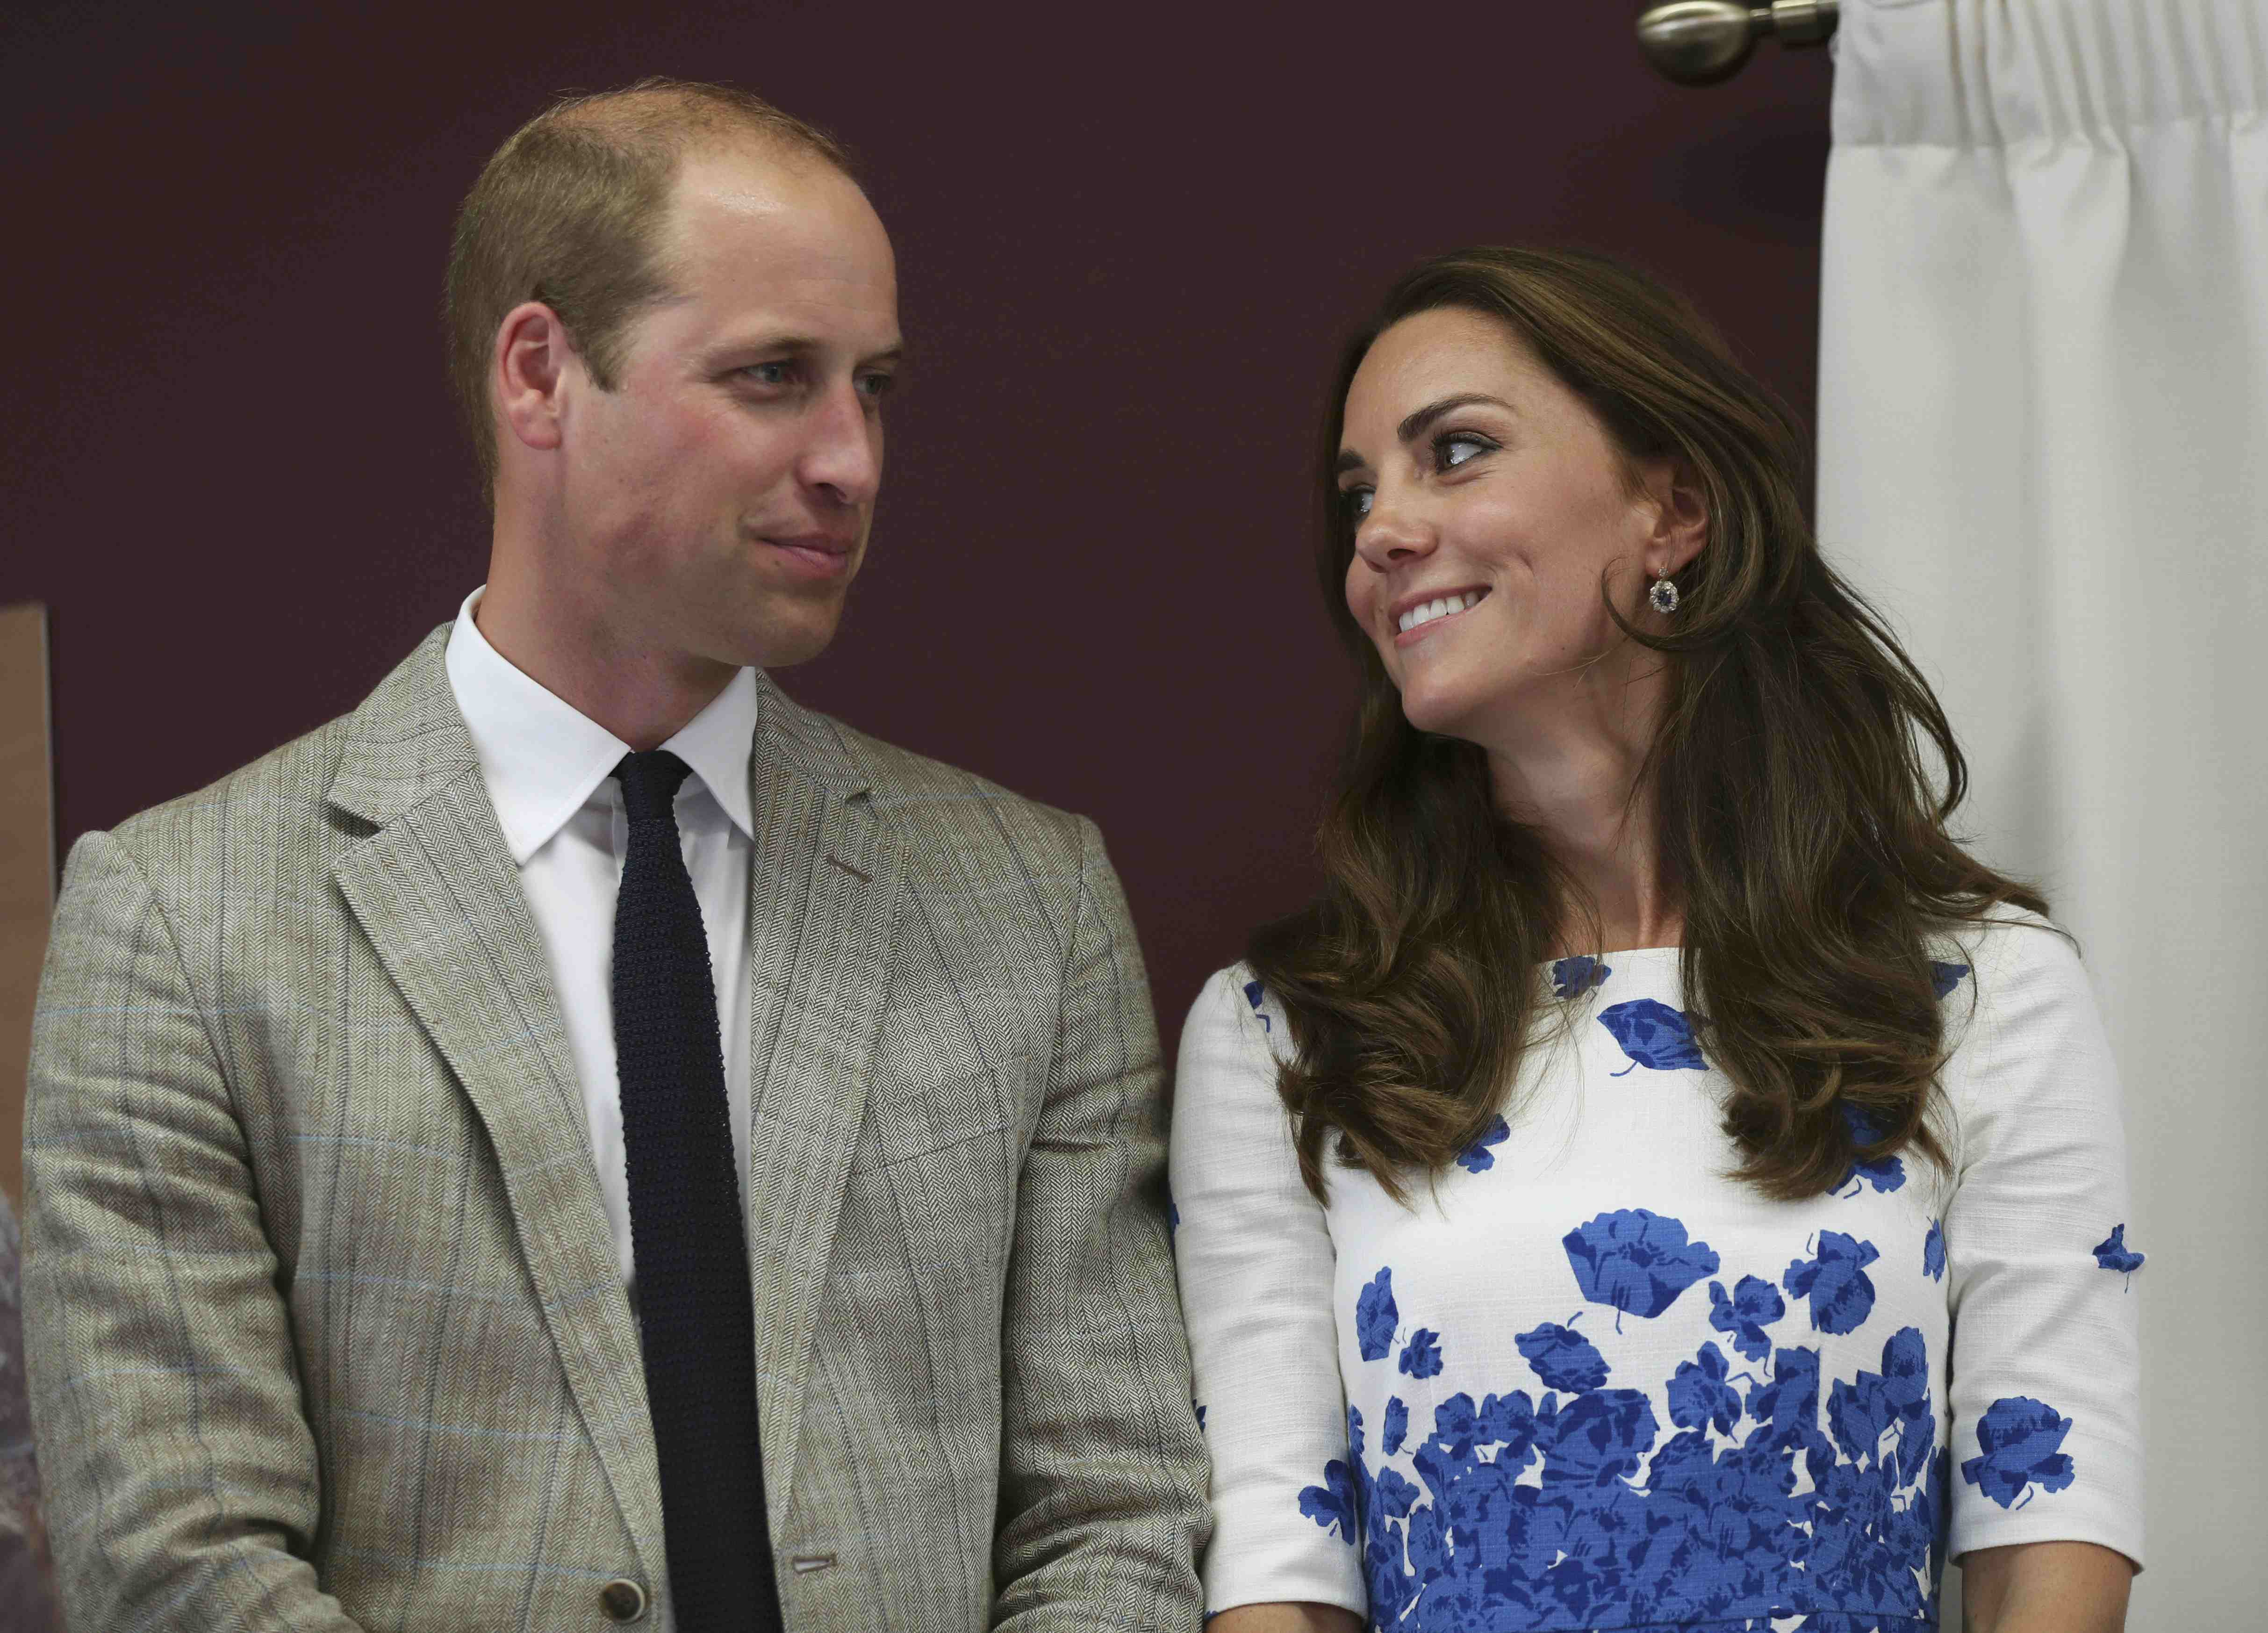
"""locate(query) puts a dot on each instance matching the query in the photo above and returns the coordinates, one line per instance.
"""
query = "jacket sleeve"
(180, 1473)
(1103, 1488)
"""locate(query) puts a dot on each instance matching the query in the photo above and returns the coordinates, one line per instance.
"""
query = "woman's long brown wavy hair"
(1803, 824)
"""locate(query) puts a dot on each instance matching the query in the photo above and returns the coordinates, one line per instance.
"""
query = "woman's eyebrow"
(1413, 425)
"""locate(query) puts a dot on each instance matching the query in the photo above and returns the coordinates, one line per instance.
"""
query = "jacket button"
(623, 1600)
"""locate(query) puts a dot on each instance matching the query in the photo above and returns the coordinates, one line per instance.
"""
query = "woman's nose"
(1389, 536)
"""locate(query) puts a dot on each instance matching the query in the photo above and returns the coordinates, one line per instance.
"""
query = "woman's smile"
(1417, 620)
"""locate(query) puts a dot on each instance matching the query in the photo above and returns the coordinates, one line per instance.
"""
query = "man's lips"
(812, 555)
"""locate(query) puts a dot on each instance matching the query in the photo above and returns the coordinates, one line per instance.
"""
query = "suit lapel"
(824, 883)
(435, 891)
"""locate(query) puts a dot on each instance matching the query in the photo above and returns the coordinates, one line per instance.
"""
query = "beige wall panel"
(27, 862)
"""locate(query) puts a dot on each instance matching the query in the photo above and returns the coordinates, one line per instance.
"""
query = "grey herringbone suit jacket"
(324, 1321)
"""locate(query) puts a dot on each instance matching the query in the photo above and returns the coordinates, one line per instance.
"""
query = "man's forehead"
(747, 191)
(737, 184)
(757, 248)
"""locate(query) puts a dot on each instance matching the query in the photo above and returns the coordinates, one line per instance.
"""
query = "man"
(581, 1138)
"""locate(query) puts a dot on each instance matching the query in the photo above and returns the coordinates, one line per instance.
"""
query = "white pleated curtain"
(2044, 449)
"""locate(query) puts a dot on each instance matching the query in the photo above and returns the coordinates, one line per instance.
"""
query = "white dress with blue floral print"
(1587, 1382)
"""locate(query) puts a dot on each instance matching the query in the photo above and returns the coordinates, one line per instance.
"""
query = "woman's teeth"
(1446, 606)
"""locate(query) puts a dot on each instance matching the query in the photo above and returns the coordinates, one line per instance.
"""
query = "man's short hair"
(569, 211)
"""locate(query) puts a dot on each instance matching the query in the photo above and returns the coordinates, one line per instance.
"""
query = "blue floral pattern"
(1653, 1035)
(1699, 1394)
(1335, 1505)
(1572, 977)
(1756, 1304)
(1375, 1316)
(1946, 977)
(1476, 1158)
(1421, 1357)
(1631, 1524)
(1636, 1261)
(1256, 994)
(1563, 1357)
(2112, 1253)
(1933, 1251)
(2019, 1441)
(1836, 1282)
(1884, 1173)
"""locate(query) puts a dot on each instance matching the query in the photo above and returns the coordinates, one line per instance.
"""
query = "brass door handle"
(1699, 42)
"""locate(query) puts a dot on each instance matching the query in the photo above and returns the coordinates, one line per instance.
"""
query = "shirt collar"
(716, 743)
(542, 758)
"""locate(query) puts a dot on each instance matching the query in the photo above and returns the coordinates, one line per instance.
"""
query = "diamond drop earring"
(1663, 596)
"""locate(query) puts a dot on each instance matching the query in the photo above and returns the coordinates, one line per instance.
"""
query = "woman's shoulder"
(2009, 964)
(2024, 1035)
(1229, 1125)
(1236, 1007)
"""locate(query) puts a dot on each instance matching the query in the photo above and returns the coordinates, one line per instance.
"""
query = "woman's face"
(1488, 502)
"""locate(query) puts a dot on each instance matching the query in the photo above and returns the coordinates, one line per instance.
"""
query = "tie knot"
(650, 784)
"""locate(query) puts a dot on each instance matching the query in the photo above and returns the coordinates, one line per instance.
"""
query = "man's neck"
(641, 694)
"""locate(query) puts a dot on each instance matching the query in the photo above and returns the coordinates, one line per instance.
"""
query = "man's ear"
(527, 370)
(1681, 516)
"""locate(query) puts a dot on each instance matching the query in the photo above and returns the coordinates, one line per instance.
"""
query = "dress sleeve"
(2046, 1375)
(1255, 1255)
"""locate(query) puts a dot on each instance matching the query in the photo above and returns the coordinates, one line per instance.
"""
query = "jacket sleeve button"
(623, 1600)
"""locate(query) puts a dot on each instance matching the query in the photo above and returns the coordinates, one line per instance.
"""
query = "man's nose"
(843, 456)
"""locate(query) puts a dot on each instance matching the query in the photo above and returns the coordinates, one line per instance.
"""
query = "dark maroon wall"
(1129, 243)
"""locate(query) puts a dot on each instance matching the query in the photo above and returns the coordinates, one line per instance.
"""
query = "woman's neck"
(1572, 774)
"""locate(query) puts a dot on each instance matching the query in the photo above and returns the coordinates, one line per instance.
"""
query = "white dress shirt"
(549, 771)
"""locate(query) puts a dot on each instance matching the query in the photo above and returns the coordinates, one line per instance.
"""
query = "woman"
(1583, 1203)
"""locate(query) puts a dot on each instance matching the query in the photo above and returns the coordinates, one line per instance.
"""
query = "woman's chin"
(1437, 711)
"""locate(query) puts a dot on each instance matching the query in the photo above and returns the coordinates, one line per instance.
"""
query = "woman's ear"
(1681, 515)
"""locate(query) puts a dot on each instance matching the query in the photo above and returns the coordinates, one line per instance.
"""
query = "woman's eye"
(1460, 448)
(1356, 501)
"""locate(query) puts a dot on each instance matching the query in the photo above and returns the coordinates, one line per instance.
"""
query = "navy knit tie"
(688, 1244)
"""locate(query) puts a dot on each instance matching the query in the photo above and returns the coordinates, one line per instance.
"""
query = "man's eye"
(769, 373)
(1460, 448)
(877, 386)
